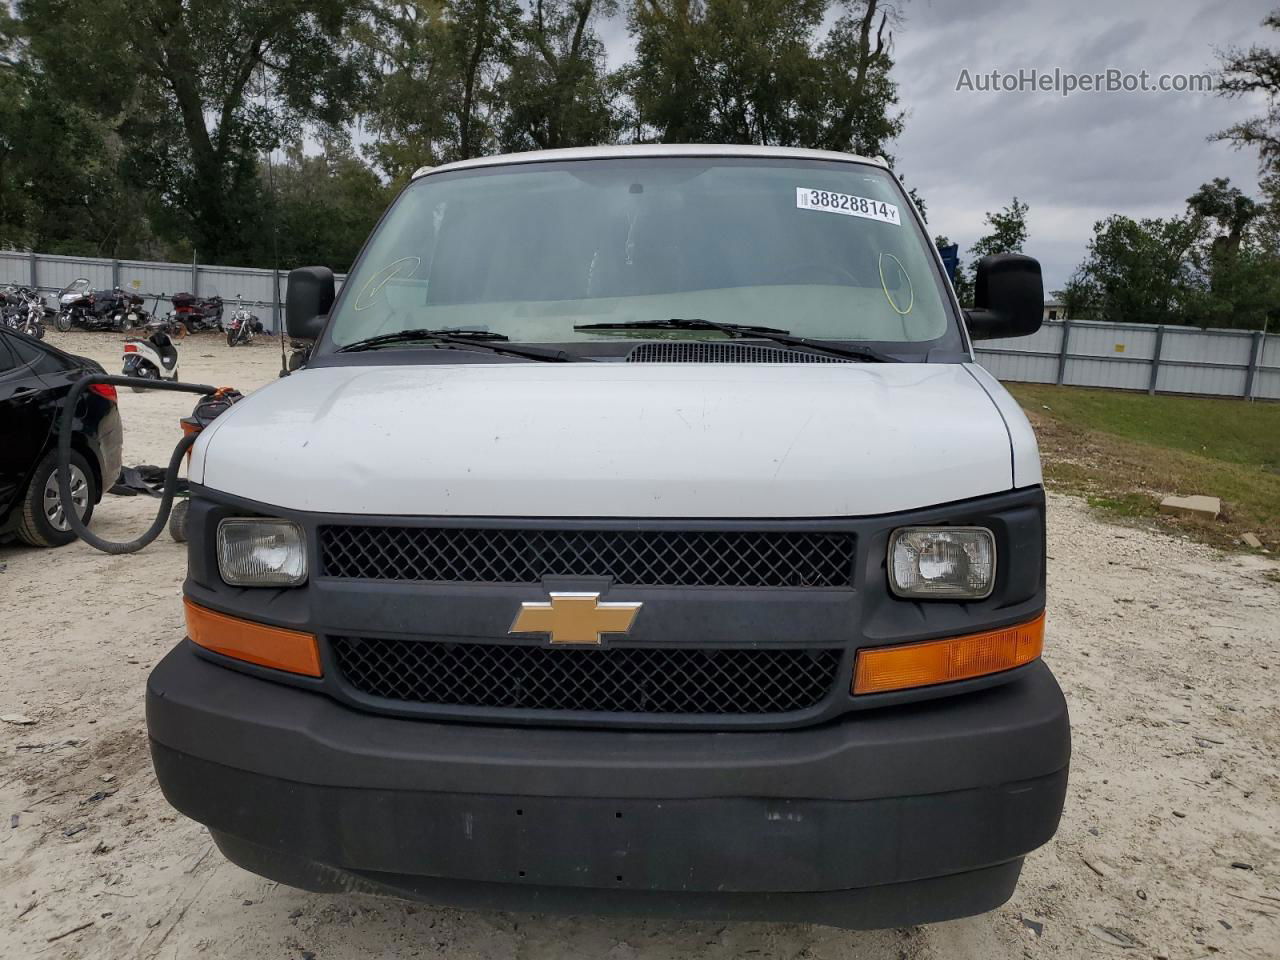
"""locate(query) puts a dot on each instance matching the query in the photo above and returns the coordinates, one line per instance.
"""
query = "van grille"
(629, 557)
(711, 351)
(649, 680)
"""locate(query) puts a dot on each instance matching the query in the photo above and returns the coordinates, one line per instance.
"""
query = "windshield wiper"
(739, 330)
(677, 323)
(484, 339)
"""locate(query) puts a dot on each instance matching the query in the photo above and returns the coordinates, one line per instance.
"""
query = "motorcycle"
(126, 311)
(197, 313)
(243, 325)
(75, 302)
(24, 310)
(154, 357)
(79, 306)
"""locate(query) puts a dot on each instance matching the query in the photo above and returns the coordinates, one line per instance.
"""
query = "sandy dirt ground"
(1169, 653)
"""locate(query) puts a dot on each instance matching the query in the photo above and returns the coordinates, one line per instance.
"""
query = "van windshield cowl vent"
(710, 351)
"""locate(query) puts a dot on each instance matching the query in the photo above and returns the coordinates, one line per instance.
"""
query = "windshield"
(822, 249)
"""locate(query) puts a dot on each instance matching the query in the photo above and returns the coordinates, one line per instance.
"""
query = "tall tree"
(1142, 271)
(1255, 70)
(1006, 233)
(438, 65)
(1236, 257)
(319, 208)
(1078, 297)
(760, 71)
(557, 92)
(197, 90)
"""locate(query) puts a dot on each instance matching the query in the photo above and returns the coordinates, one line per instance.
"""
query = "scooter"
(153, 358)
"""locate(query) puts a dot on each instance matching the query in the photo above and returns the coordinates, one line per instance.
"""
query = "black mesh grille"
(712, 351)
(629, 557)
(603, 680)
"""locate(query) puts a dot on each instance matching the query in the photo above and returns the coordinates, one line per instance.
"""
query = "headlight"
(261, 553)
(945, 563)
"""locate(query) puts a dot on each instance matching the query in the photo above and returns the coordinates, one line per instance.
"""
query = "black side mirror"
(307, 302)
(1008, 297)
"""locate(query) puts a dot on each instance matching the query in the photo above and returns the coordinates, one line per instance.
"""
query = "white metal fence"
(1139, 356)
(1127, 356)
(261, 289)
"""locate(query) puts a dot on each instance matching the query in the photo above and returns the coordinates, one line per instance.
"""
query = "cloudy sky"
(1077, 159)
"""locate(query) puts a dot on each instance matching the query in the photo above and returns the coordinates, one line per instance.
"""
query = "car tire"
(178, 520)
(35, 525)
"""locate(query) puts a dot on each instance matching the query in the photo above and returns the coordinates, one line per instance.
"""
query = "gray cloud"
(1075, 160)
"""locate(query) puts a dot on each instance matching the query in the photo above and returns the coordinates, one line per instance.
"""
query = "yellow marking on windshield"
(373, 286)
(885, 286)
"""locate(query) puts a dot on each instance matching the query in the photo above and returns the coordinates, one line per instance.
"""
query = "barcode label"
(825, 201)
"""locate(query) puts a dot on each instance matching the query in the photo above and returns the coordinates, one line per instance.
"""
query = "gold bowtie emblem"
(575, 618)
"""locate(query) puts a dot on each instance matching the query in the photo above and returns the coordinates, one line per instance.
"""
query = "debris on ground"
(1193, 506)
(1117, 938)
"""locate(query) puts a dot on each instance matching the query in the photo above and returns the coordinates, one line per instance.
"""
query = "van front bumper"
(906, 815)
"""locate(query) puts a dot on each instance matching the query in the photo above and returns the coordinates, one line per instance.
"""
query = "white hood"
(619, 440)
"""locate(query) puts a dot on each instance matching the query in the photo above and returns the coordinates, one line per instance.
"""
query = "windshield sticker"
(808, 198)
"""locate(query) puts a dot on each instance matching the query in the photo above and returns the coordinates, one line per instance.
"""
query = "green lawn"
(1231, 430)
(1125, 451)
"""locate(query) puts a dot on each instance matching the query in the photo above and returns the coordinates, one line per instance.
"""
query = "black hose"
(65, 427)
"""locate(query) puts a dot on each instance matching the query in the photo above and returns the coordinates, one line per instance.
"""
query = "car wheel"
(178, 521)
(41, 522)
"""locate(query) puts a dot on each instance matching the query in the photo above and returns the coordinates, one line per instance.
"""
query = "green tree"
(557, 92)
(1007, 231)
(196, 91)
(759, 71)
(1236, 257)
(1143, 271)
(1078, 297)
(319, 209)
(437, 67)
(1254, 71)
(60, 189)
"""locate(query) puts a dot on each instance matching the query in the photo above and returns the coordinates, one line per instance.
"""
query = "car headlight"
(944, 563)
(261, 553)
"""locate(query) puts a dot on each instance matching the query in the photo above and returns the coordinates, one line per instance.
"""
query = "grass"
(1124, 452)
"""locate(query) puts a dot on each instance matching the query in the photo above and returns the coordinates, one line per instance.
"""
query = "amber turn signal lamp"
(911, 665)
(275, 647)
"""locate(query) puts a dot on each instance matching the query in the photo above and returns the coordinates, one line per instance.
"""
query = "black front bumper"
(909, 814)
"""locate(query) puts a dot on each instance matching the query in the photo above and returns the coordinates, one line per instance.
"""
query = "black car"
(34, 379)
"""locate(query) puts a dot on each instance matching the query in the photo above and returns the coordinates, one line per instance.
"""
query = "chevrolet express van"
(638, 536)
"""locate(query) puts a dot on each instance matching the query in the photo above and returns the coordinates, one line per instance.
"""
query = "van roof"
(651, 150)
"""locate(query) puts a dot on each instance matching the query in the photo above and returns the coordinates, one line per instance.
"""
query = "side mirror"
(1008, 297)
(307, 302)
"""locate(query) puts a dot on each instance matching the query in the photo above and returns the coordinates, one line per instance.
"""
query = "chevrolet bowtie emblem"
(575, 618)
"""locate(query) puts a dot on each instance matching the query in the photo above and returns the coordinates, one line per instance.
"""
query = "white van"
(638, 536)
